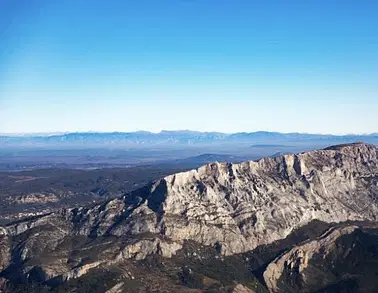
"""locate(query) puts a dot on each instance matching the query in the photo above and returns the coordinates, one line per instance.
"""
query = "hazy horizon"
(222, 66)
(57, 133)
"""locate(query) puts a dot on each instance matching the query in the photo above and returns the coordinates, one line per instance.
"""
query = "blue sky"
(214, 65)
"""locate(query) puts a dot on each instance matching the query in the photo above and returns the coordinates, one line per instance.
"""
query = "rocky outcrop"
(82, 270)
(141, 249)
(241, 289)
(297, 259)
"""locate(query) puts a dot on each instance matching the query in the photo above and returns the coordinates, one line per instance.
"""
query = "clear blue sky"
(306, 66)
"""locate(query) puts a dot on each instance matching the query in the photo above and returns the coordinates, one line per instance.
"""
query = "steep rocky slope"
(343, 259)
(234, 208)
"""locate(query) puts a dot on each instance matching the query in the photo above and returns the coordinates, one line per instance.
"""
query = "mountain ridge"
(234, 208)
(185, 137)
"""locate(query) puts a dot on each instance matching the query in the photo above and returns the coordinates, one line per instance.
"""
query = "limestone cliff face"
(235, 207)
(241, 206)
(297, 259)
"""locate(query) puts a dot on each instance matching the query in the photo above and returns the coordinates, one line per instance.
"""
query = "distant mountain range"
(167, 138)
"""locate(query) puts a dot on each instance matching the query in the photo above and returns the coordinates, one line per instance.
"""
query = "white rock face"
(242, 206)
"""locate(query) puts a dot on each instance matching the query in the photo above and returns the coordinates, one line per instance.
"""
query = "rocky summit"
(192, 231)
